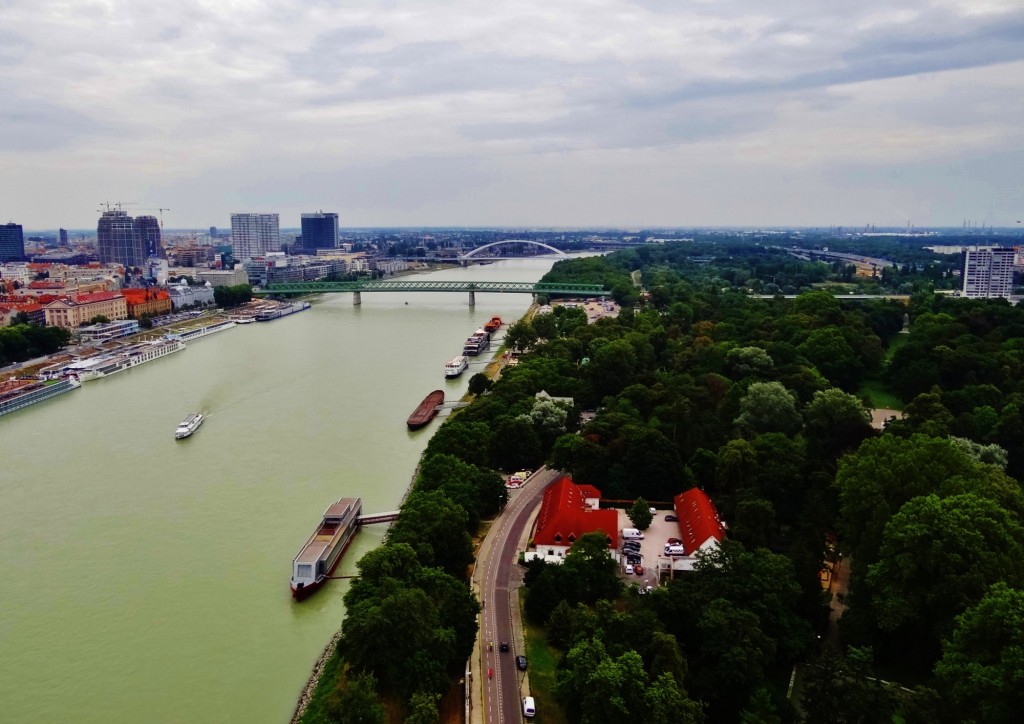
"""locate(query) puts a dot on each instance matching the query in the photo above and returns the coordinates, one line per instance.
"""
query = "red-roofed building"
(153, 302)
(700, 528)
(567, 512)
(70, 313)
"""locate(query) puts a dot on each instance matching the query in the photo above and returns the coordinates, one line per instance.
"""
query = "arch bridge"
(400, 285)
(475, 253)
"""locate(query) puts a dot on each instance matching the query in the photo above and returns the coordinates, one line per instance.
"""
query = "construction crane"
(118, 204)
(157, 208)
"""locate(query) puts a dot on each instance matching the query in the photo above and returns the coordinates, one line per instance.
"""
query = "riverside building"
(254, 235)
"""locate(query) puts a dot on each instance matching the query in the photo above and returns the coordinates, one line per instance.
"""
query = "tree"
(435, 527)
(938, 557)
(357, 703)
(836, 422)
(640, 514)
(479, 384)
(768, 407)
(589, 572)
(520, 336)
(844, 690)
(982, 664)
(422, 709)
(745, 361)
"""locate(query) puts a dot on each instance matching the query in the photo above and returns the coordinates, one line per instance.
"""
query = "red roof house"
(565, 516)
(699, 524)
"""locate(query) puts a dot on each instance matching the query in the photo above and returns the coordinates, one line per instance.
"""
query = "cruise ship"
(319, 557)
(92, 368)
(20, 392)
(456, 366)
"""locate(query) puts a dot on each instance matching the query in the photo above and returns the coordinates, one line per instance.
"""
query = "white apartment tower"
(988, 272)
(254, 235)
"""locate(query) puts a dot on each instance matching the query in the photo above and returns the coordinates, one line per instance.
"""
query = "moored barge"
(426, 410)
(319, 557)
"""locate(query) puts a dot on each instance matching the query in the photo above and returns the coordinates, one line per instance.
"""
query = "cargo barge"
(320, 555)
(20, 393)
(426, 411)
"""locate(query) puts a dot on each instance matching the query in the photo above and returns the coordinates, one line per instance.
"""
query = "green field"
(879, 395)
(543, 665)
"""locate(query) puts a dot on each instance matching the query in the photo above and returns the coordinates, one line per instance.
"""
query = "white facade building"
(254, 235)
(988, 272)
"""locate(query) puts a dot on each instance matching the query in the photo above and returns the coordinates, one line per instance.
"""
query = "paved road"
(500, 615)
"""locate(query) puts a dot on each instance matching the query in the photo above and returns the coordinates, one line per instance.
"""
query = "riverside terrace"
(399, 285)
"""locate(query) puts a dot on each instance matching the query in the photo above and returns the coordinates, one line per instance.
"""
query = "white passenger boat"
(189, 425)
(456, 366)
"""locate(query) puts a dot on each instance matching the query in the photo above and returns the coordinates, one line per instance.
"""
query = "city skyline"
(609, 114)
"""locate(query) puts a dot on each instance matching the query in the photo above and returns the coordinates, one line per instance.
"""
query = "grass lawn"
(897, 341)
(543, 664)
(875, 391)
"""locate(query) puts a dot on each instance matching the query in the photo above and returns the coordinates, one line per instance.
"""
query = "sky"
(533, 113)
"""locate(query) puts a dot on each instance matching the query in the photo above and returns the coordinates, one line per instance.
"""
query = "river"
(146, 579)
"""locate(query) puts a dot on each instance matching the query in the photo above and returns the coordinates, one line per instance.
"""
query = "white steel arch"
(477, 250)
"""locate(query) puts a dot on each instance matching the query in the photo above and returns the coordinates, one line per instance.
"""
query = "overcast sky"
(520, 113)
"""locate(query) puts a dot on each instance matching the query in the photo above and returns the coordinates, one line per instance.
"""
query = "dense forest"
(763, 403)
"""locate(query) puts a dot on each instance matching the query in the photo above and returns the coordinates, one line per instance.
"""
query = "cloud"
(224, 105)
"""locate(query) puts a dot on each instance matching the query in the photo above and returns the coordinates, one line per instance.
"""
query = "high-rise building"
(116, 240)
(320, 231)
(148, 229)
(63, 237)
(12, 242)
(254, 235)
(988, 272)
(213, 232)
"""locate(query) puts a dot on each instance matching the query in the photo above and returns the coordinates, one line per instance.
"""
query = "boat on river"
(22, 392)
(189, 425)
(456, 366)
(426, 410)
(494, 325)
(320, 556)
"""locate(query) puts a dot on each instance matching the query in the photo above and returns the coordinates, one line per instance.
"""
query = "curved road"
(496, 567)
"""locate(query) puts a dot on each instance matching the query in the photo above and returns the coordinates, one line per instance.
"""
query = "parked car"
(521, 662)
(638, 570)
(633, 560)
(673, 542)
(503, 646)
(671, 518)
(629, 569)
(630, 546)
(529, 707)
(654, 511)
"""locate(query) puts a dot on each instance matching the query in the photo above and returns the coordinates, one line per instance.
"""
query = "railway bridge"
(357, 288)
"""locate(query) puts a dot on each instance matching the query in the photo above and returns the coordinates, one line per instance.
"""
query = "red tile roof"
(564, 515)
(698, 520)
(96, 297)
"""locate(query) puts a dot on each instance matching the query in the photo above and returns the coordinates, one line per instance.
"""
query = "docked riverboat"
(188, 426)
(426, 410)
(324, 549)
(21, 392)
(456, 366)
(494, 325)
(92, 368)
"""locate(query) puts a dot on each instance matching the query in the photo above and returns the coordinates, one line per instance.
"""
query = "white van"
(675, 550)
(632, 534)
(528, 707)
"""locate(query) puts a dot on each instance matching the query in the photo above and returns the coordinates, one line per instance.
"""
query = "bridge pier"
(472, 298)
(357, 299)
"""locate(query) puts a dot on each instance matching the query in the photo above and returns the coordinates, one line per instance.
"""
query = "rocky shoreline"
(314, 678)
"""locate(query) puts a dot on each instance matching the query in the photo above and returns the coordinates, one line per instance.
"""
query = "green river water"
(146, 579)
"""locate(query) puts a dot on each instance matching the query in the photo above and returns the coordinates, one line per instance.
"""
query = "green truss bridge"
(398, 285)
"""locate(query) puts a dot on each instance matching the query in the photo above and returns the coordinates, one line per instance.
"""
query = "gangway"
(385, 517)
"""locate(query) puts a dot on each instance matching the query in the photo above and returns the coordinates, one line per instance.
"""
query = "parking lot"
(652, 547)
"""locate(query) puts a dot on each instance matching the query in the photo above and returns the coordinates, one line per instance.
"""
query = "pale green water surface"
(146, 579)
